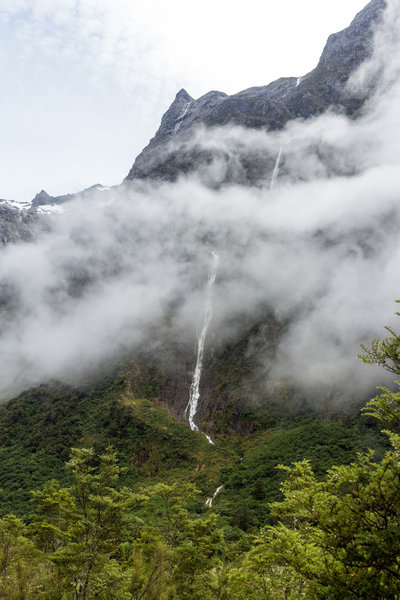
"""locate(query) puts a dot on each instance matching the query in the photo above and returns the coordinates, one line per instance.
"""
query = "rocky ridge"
(267, 107)
(20, 221)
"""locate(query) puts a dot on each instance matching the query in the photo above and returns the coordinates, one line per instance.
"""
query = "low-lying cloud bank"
(322, 247)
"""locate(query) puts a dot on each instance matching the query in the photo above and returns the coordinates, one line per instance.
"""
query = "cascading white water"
(276, 169)
(207, 315)
(209, 501)
(181, 117)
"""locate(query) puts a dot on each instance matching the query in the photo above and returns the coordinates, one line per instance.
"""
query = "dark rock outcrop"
(22, 221)
(16, 224)
(44, 199)
(267, 107)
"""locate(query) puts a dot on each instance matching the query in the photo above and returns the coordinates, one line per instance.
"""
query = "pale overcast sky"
(85, 82)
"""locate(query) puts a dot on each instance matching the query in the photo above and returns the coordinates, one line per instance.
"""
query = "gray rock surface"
(16, 223)
(267, 107)
(22, 221)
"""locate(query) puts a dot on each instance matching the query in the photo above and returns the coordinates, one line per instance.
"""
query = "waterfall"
(181, 117)
(276, 169)
(209, 501)
(207, 315)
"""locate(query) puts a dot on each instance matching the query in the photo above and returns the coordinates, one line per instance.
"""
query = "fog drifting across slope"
(322, 248)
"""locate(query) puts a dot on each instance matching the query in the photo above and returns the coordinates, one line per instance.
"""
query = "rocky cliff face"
(267, 107)
(16, 223)
(231, 377)
(21, 221)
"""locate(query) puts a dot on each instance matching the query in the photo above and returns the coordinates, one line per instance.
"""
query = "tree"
(90, 543)
(385, 352)
(342, 535)
(180, 553)
(260, 575)
(18, 559)
(386, 405)
(81, 528)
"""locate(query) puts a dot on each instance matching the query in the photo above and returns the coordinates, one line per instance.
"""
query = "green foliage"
(341, 534)
(253, 482)
(81, 528)
(326, 534)
(38, 427)
(386, 405)
(18, 559)
(191, 546)
(385, 353)
(96, 539)
(257, 576)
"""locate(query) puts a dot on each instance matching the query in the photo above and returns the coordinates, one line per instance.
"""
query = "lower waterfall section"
(194, 395)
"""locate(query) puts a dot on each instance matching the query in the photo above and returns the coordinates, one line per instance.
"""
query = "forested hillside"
(182, 413)
(332, 535)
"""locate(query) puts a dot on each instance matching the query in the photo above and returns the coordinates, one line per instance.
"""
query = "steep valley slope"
(134, 397)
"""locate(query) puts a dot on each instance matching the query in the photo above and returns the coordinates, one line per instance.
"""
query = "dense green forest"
(111, 526)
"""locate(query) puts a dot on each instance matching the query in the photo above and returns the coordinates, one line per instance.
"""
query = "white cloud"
(322, 251)
(216, 45)
(322, 247)
(72, 69)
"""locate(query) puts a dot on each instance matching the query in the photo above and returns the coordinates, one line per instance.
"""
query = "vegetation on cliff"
(94, 536)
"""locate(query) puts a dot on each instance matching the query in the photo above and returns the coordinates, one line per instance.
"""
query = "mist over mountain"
(268, 107)
(295, 185)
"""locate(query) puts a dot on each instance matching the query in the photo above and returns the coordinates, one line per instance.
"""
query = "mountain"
(255, 417)
(201, 335)
(43, 202)
(268, 107)
(16, 222)
(22, 221)
(234, 394)
(38, 428)
(230, 372)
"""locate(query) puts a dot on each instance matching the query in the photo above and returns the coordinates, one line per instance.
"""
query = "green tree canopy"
(342, 535)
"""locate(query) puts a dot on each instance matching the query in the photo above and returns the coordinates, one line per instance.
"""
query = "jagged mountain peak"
(183, 95)
(20, 221)
(267, 107)
(41, 198)
(354, 42)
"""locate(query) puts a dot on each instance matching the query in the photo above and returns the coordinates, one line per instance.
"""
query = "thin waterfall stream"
(194, 395)
(276, 169)
(209, 501)
(181, 117)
